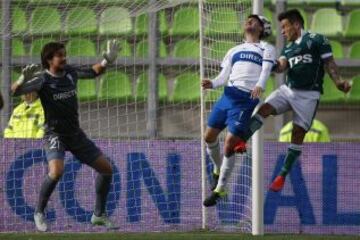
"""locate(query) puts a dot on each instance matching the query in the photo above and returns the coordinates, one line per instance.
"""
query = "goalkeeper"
(56, 87)
(305, 57)
(245, 70)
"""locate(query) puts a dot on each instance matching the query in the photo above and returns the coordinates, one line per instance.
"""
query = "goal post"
(258, 164)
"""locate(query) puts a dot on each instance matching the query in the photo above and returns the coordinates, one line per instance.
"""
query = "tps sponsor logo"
(306, 58)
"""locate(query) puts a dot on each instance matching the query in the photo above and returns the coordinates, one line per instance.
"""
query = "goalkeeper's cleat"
(213, 199)
(240, 147)
(103, 220)
(277, 184)
(40, 222)
(215, 181)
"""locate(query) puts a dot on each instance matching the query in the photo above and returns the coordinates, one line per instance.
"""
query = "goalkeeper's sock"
(47, 187)
(255, 123)
(103, 182)
(225, 173)
(293, 153)
(213, 149)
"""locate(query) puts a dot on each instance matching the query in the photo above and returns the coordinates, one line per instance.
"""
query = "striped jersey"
(245, 63)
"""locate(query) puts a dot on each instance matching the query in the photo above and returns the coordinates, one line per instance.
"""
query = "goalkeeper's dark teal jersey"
(306, 65)
(58, 97)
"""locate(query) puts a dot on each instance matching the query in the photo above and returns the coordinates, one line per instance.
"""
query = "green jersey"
(305, 57)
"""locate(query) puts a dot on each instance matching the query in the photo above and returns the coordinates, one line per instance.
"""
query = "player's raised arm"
(28, 81)
(109, 55)
(333, 71)
(223, 76)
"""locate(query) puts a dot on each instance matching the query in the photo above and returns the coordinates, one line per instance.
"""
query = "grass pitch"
(165, 236)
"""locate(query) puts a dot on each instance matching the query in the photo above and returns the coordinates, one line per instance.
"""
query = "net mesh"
(157, 183)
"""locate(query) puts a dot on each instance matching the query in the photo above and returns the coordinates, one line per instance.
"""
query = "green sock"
(293, 153)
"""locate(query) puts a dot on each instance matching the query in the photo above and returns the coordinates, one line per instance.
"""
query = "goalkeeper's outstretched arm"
(109, 55)
(29, 80)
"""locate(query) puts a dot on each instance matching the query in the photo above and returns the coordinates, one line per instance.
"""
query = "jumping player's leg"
(304, 108)
(237, 121)
(216, 123)
(257, 120)
(228, 162)
(213, 147)
(293, 152)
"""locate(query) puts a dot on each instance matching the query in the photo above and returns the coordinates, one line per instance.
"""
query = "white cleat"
(103, 220)
(40, 222)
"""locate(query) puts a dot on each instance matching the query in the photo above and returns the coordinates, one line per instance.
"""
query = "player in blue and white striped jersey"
(245, 70)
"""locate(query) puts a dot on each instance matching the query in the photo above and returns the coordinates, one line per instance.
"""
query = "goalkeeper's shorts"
(78, 144)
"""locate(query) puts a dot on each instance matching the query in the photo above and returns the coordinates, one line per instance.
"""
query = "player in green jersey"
(306, 57)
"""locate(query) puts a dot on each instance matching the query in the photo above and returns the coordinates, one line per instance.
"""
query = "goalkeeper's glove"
(111, 52)
(28, 72)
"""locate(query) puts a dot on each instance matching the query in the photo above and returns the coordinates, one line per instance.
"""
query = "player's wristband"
(104, 63)
(20, 80)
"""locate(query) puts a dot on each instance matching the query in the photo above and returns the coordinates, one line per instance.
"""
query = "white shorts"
(303, 103)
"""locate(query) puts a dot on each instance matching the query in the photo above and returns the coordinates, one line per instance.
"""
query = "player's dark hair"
(293, 15)
(48, 52)
(261, 23)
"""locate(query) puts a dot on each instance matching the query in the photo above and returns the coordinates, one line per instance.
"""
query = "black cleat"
(212, 199)
(215, 180)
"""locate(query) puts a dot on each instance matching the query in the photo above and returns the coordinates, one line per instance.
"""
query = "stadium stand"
(321, 3)
(37, 45)
(142, 24)
(338, 51)
(115, 86)
(216, 22)
(331, 93)
(115, 21)
(78, 47)
(142, 49)
(354, 96)
(350, 3)
(186, 88)
(187, 49)
(327, 21)
(219, 49)
(352, 27)
(354, 51)
(86, 90)
(80, 20)
(186, 22)
(142, 87)
(40, 27)
(18, 49)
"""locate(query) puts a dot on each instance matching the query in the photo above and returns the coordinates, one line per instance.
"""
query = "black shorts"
(78, 144)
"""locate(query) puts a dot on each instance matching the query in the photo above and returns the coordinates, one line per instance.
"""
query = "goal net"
(145, 113)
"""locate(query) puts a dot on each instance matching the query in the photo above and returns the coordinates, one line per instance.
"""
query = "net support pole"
(202, 118)
(6, 62)
(152, 104)
(257, 164)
